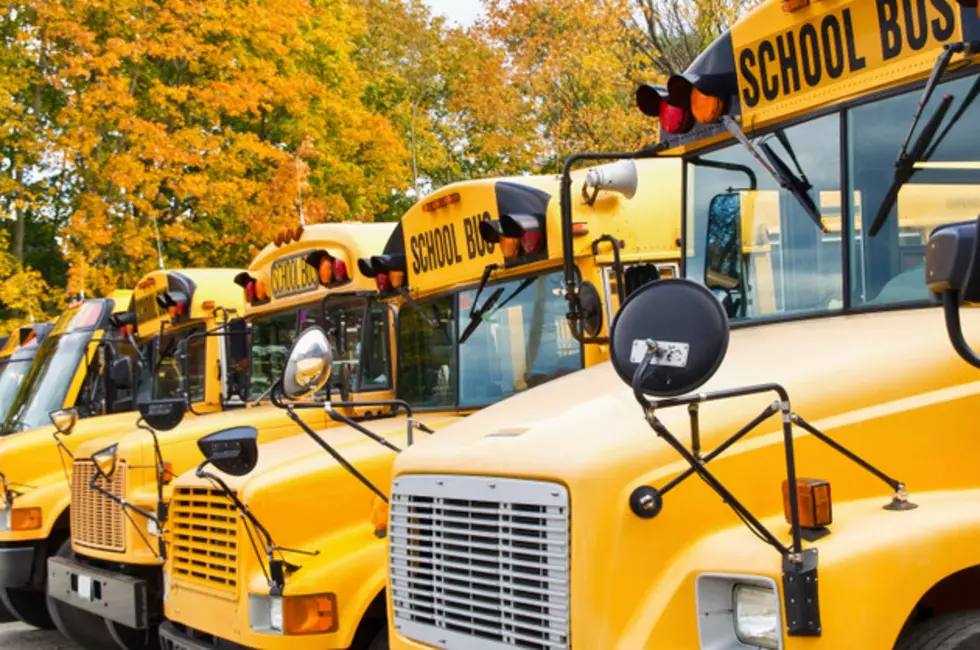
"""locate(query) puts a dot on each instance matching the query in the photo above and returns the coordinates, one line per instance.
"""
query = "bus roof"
(190, 287)
(441, 233)
(286, 270)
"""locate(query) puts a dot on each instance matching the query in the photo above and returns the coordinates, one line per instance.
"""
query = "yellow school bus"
(68, 372)
(109, 592)
(475, 272)
(801, 482)
(85, 382)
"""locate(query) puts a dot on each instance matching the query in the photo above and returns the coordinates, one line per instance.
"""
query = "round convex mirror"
(309, 364)
(689, 331)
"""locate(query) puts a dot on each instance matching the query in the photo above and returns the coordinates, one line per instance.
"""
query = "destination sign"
(442, 246)
(814, 61)
(292, 275)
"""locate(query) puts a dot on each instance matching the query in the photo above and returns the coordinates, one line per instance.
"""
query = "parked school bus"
(110, 593)
(16, 357)
(475, 273)
(67, 373)
(811, 488)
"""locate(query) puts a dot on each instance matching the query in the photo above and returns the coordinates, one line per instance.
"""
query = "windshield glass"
(12, 376)
(522, 342)
(168, 368)
(762, 255)
(46, 385)
(272, 337)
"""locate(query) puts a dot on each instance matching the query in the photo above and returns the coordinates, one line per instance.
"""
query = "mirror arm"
(401, 291)
(158, 453)
(231, 496)
(335, 454)
(357, 426)
(617, 263)
(951, 309)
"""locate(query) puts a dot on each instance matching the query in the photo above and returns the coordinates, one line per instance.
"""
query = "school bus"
(69, 371)
(16, 357)
(108, 592)
(474, 273)
(812, 488)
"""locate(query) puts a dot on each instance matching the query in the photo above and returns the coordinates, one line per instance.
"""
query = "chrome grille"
(96, 521)
(204, 538)
(481, 563)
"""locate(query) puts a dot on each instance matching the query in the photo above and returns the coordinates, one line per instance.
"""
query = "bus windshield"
(46, 385)
(12, 376)
(522, 342)
(758, 250)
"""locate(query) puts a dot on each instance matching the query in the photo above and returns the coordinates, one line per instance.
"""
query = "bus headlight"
(293, 615)
(756, 616)
(738, 611)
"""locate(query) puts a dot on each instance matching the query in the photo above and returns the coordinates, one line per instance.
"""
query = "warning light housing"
(256, 289)
(520, 236)
(388, 271)
(331, 271)
(813, 498)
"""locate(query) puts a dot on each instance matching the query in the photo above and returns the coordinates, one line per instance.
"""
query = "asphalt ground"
(16, 636)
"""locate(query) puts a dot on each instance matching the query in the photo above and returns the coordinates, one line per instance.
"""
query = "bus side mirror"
(64, 420)
(722, 256)
(163, 414)
(308, 366)
(669, 338)
(953, 276)
(233, 451)
(120, 393)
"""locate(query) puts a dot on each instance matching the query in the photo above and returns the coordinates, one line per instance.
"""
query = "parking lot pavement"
(15, 636)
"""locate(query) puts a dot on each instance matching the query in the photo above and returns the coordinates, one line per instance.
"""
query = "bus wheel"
(27, 606)
(78, 626)
(956, 631)
(128, 638)
(380, 642)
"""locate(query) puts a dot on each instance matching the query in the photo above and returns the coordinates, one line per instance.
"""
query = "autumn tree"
(208, 122)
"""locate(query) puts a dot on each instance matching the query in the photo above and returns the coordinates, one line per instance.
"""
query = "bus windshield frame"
(12, 375)
(786, 268)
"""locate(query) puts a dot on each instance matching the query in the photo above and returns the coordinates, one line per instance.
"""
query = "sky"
(462, 12)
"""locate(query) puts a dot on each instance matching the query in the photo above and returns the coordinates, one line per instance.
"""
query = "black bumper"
(114, 596)
(16, 564)
(173, 637)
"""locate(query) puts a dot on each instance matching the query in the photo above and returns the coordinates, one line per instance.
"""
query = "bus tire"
(127, 638)
(27, 606)
(81, 628)
(380, 641)
(955, 631)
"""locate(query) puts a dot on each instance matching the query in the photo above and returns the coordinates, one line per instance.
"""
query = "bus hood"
(590, 419)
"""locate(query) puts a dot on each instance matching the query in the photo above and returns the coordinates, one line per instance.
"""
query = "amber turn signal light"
(813, 497)
(25, 519)
(167, 473)
(309, 614)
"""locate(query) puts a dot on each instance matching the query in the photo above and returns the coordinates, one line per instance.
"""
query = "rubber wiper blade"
(905, 165)
(798, 186)
(476, 315)
(778, 170)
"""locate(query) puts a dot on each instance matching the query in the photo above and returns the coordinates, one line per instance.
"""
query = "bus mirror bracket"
(953, 276)
(671, 356)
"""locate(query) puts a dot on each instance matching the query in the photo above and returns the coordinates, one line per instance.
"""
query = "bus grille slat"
(96, 521)
(481, 562)
(204, 538)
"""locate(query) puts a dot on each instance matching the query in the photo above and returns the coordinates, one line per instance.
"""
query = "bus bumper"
(173, 637)
(119, 598)
(16, 564)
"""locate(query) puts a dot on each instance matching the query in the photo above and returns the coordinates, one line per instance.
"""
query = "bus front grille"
(480, 562)
(96, 521)
(204, 547)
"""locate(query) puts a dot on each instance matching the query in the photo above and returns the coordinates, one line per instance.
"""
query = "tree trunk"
(19, 216)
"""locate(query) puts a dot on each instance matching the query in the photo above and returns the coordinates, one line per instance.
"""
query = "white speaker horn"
(620, 177)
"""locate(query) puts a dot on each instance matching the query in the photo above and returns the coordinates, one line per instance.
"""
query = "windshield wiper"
(779, 170)
(476, 310)
(906, 160)
(491, 307)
